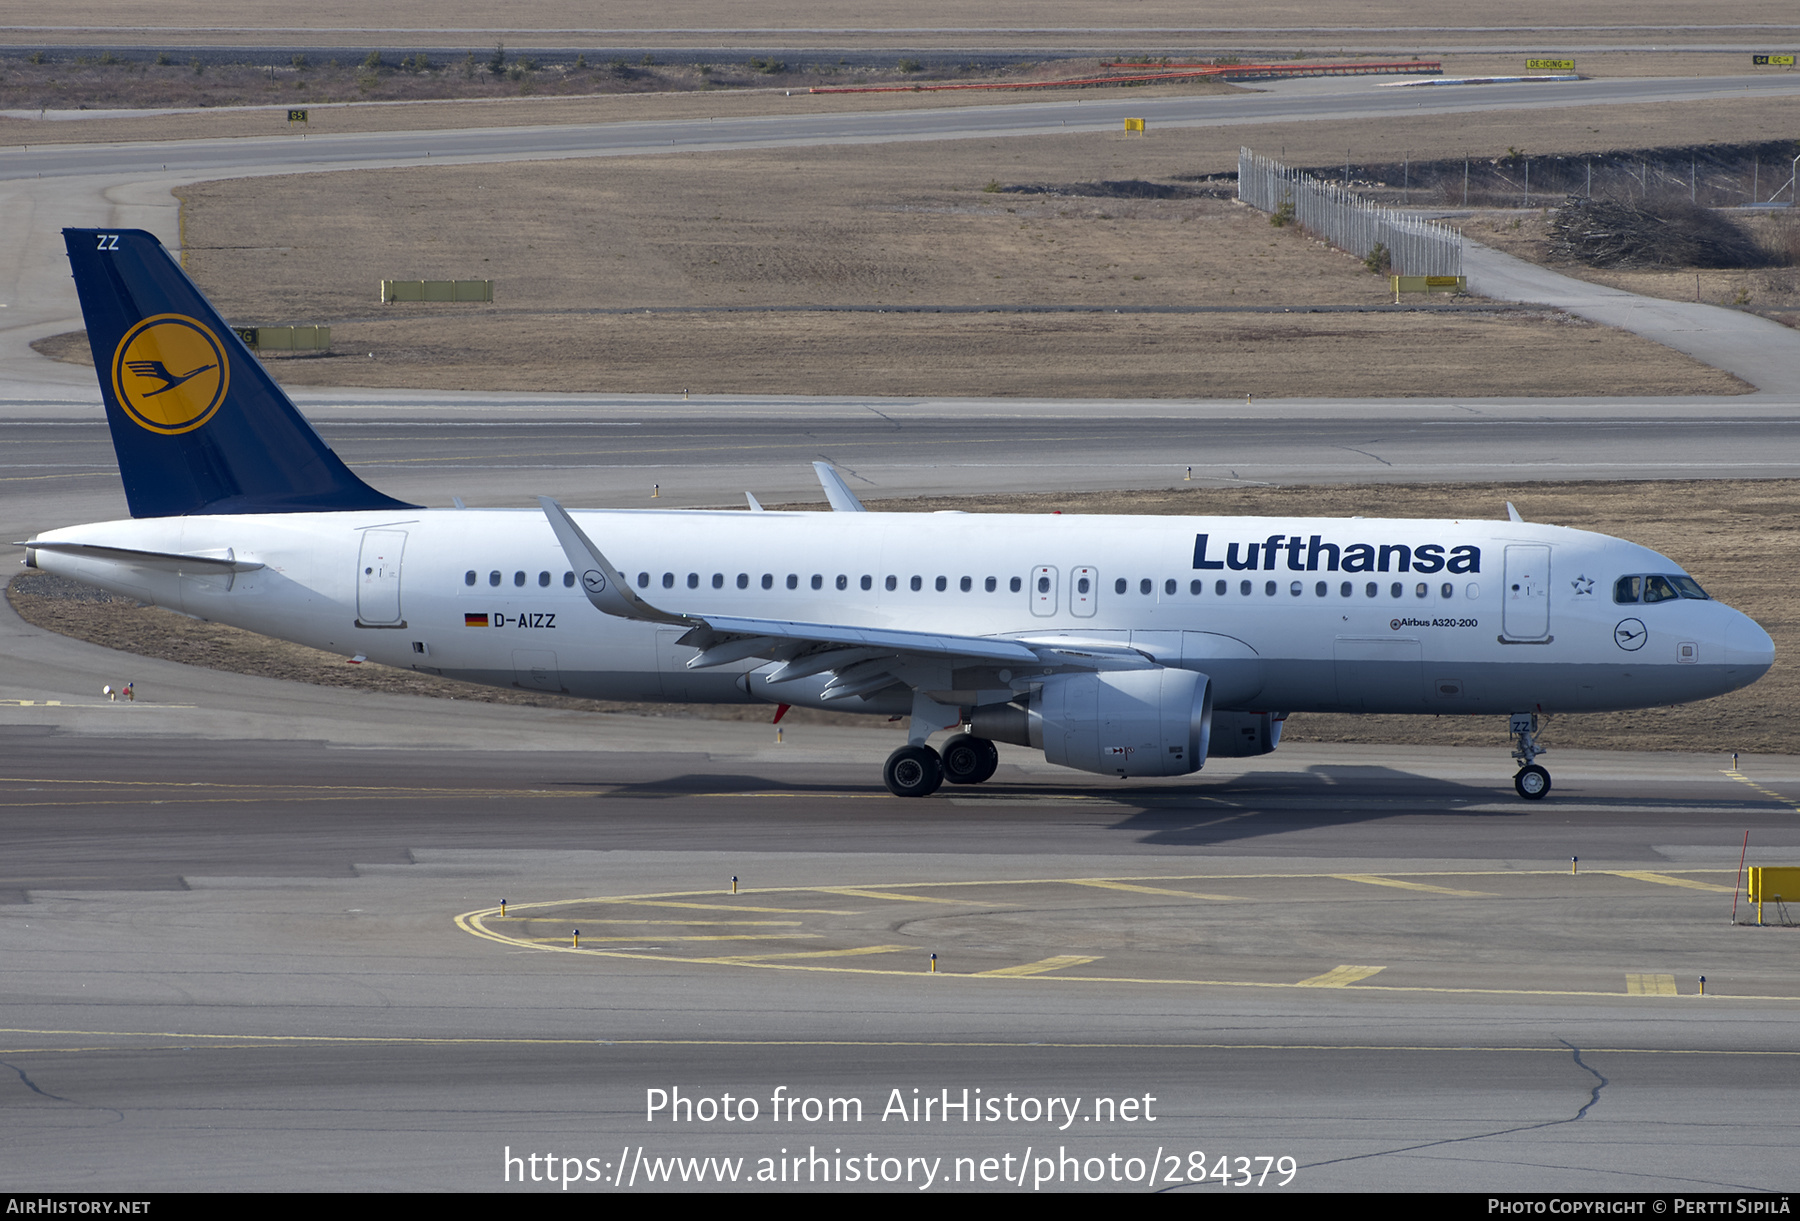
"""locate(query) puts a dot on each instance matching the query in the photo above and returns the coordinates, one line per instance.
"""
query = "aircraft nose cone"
(1747, 645)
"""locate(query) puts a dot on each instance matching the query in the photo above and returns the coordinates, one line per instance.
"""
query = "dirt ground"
(1737, 538)
(906, 226)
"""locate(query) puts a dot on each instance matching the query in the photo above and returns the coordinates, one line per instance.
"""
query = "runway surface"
(234, 957)
(241, 964)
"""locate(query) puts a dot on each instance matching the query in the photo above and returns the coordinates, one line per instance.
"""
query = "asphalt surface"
(241, 965)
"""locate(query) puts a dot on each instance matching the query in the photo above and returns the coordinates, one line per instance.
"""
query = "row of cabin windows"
(841, 581)
(518, 579)
(1321, 589)
(1653, 588)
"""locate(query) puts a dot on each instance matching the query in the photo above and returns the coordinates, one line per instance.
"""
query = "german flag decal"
(472, 620)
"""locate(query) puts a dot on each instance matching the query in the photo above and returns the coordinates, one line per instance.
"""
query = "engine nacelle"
(1153, 722)
(1240, 735)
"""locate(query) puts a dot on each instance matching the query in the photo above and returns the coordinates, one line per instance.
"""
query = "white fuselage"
(1348, 615)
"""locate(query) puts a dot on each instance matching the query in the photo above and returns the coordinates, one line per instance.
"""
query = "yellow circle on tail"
(170, 373)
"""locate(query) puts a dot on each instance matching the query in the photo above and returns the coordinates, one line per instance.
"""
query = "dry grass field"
(595, 263)
(1738, 538)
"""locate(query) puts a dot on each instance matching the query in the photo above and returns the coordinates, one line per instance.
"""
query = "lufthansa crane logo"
(169, 373)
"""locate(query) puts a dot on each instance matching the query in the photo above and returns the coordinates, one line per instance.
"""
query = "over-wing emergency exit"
(1122, 646)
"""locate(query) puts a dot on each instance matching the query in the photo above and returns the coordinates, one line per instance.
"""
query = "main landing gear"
(1532, 781)
(917, 771)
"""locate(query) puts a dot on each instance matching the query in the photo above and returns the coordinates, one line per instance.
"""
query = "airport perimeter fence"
(1414, 247)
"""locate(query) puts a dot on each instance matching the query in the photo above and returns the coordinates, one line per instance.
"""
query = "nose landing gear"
(1531, 781)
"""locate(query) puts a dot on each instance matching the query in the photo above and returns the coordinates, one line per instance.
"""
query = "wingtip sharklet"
(604, 586)
(842, 499)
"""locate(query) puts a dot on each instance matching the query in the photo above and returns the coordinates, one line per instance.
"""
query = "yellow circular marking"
(170, 373)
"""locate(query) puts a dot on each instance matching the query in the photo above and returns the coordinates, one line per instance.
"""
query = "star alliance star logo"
(1583, 585)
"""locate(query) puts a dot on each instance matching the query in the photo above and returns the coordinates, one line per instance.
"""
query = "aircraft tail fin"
(198, 424)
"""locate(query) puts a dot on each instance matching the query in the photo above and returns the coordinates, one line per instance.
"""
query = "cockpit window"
(1657, 588)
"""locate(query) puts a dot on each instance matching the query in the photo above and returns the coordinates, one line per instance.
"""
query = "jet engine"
(1153, 722)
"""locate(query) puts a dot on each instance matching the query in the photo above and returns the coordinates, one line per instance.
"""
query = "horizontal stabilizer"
(172, 560)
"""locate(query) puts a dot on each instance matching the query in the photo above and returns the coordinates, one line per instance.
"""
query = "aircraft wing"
(861, 659)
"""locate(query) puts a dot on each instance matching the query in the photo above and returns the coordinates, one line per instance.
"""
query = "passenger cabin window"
(992, 584)
(519, 579)
(568, 580)
(768, 581)
(1119, 585)
(1015, 584)
(469, 577)
(543, 580)
(793, 581)
(494, 578)
(743, 580)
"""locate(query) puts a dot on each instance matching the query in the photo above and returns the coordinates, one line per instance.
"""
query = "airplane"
(1119, 646)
